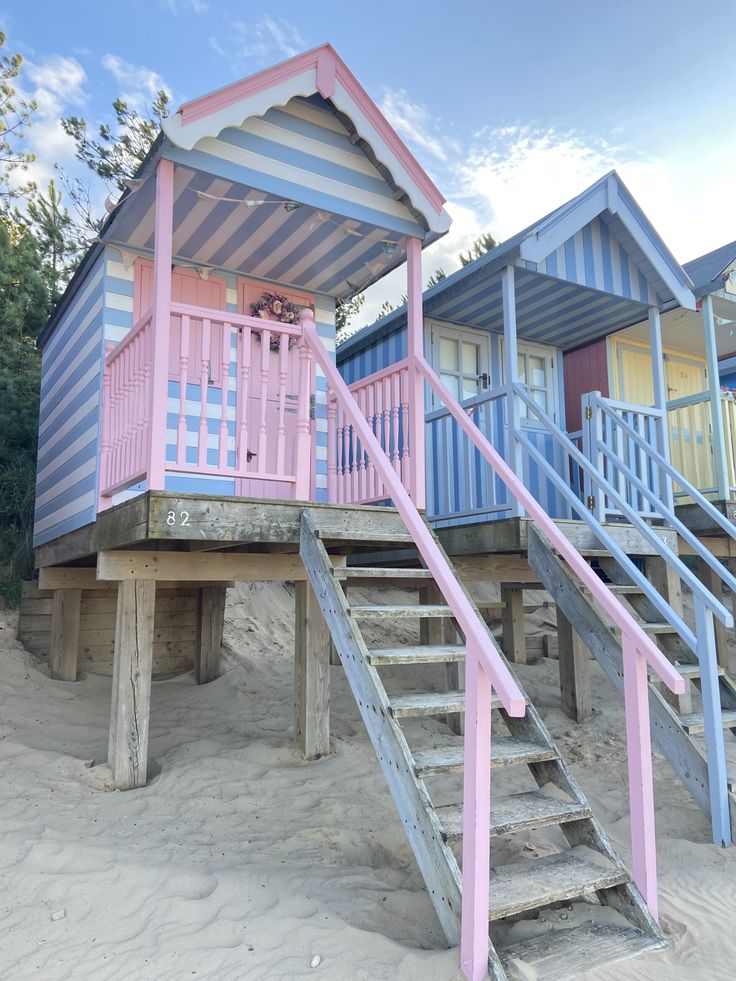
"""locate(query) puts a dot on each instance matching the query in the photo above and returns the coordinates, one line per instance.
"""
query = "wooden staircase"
(551, 849)
(677, 723)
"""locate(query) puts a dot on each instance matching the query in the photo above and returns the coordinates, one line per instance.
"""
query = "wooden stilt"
(127, 753)
(311, 676)
(667, 583)
(210, 622)
(64, 646)
(713, 582)
(435, 632)
(574, 670)
(512, 617)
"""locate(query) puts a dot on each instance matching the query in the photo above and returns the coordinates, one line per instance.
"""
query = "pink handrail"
(638, 651)
(485, 668)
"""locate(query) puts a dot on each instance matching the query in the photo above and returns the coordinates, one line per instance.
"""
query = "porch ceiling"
(682, 330)
(548, 310)
(214, 226)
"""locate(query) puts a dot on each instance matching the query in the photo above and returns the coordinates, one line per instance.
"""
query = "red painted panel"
(584, 370)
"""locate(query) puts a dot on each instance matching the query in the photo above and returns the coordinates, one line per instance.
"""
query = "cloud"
(140, 84)
(264, 42)
(416, 125)
(177, 7)
(57, 84)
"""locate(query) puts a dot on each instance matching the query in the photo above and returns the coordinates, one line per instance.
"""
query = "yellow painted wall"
(630, 366)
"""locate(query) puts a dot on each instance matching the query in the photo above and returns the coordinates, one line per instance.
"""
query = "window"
(461, 359)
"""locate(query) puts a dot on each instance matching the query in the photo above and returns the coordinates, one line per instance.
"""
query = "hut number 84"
(181, 519)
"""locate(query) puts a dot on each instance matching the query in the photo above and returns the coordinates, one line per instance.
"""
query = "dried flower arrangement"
(276, 306)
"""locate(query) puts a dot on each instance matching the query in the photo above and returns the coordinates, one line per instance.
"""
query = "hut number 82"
(181, 519)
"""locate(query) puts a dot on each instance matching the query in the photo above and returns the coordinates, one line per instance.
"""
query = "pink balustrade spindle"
(181, 429)
(225, 383)
(244, 368)
(204, 383)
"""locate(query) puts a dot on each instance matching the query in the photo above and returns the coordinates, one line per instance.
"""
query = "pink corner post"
(163, 231)
(415, 349)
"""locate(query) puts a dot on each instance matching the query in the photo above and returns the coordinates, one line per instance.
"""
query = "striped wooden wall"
(585, 370)
(303, 146)
(601, 255)
(460, 486)
(66, 482)
(375, 357)
(174, 627)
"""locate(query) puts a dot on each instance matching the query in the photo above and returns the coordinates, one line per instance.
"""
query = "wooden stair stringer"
(685, 757)
(625, 898)
(436, 861)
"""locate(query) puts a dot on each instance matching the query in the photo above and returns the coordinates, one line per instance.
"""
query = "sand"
(240, 861)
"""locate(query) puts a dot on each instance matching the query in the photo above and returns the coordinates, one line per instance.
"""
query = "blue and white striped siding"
(67, 479)
(306, 154)
(597, 257)
(375, 357)
(460, 486)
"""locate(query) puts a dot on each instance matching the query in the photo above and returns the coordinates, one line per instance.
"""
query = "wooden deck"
(696, 520)
(197, 522)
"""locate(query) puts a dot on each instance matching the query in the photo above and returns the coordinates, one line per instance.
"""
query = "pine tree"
(15, 117)
(484, 243)
(57, 239)
(24, 306)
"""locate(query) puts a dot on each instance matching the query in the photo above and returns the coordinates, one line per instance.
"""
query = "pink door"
(187, 286)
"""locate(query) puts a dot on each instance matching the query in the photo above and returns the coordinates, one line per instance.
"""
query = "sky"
(511, 108)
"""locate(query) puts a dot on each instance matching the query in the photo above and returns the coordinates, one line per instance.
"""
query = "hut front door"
(250, 292)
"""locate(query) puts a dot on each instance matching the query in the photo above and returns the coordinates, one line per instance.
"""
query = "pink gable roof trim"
(329, 68)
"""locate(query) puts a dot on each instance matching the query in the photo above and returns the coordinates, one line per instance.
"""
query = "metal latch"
(588, 411)
(312, 409)
(591, 502)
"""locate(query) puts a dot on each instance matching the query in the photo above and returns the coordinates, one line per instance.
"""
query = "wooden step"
(623, 589)
(694, 724)
(374, 572)
(505, 751)
(538, 882)
(417, 654)
(519, 812)
(559, 955)
(431, 703)
(691, 672)
(374, 612)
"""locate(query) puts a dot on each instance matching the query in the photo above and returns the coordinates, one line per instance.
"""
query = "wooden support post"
(574, 670)
(720, 454)
(311, 676)
(415, 347)
(435, 632)
(210, 623)
(660, 402)
(64, 647)
(712, 581)
(667, 583)
(511, 375)
(162, 255)
(512, 619)
(127, 753)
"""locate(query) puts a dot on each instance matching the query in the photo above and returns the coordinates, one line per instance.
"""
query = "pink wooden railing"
(261, 384)
(126, 396)
(272, 439)
(638, 651)
(485, 670)
(383, 400)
